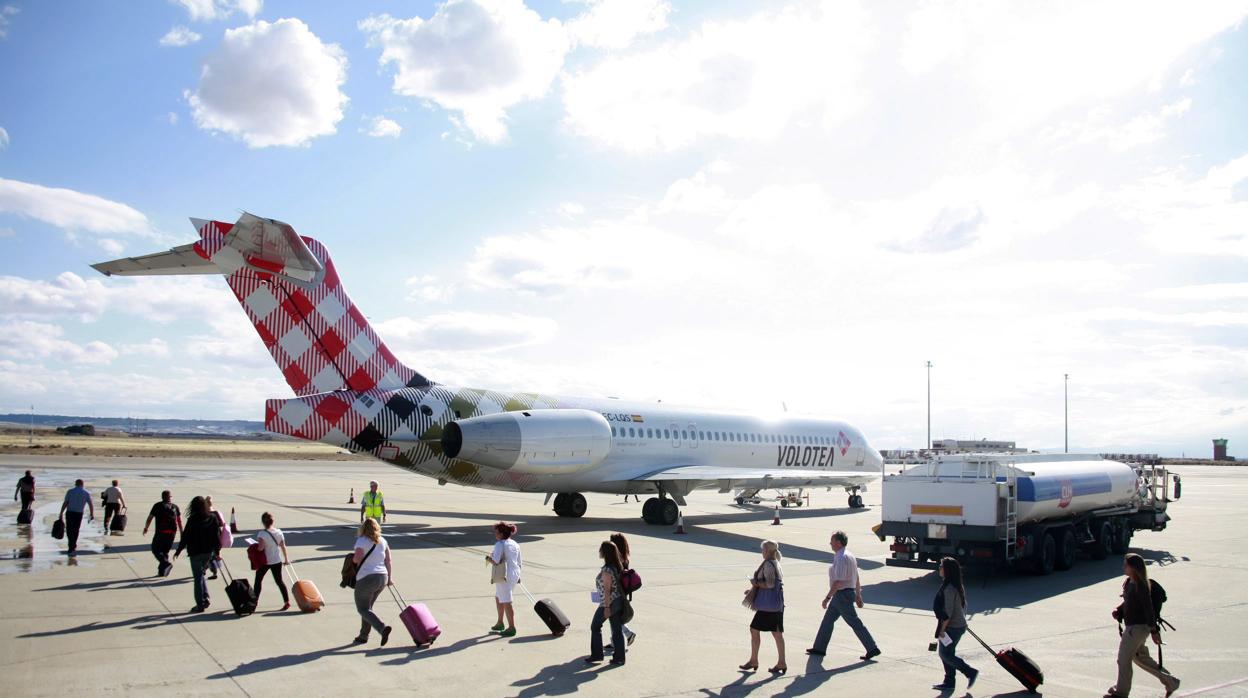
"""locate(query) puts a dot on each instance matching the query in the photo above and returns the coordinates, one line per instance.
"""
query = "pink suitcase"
(418, 619)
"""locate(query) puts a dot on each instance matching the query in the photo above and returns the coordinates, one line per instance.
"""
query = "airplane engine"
(533, 441)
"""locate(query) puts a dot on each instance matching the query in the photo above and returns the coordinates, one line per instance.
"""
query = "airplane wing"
(182, 259)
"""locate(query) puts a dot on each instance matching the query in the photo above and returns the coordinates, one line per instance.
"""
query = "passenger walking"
(610, 606)
(77, 500)
(168, 520)
(201, 539)
(950, 608)
(767, 585)
(621, 544)
(114, 502)
(844, 592)
(505, 573)
(212, 511)
(273, 543)
(1139, 616)
(373, 504)
(25, 488)
(373, 573)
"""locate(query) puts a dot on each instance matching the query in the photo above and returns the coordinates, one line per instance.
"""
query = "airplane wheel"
(649, 510)
(740, 501)
(858, 501)
(784, 503)
(561, 504)
(669, 512)
(1065, 550)
(577, 505)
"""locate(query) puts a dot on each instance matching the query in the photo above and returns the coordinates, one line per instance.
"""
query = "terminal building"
(980, 446)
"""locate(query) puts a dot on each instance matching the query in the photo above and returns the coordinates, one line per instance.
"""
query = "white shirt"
(844, 569)
(112, 495)
(510, 550)
(271, 540)
(374, 563)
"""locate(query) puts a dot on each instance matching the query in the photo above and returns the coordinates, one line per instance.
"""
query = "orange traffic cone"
(351, 500)
(233, 522)
(775, 521)
(680, 523)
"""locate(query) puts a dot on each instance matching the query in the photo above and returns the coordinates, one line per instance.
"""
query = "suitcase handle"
(292, 571)
(229, 578)
(398, 598)
(526, 593)
(985, 644)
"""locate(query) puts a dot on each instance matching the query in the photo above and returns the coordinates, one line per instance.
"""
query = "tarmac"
(103, 623)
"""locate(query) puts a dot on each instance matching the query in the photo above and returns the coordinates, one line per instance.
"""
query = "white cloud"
(615, 24)
(23, 339)
(474, 57)
(71, 210)
(111, 247)
(6, 14)
(1185, 215)
(179, 36)
(744, 79)
(68, 293)
(208, 10)
(172, 117)
(466, 331)
(428, 288)
(1202, 292)
(381, 127)
(7, 233)
(571, 209)
(155, 348)
(4, 138)
(247, 92)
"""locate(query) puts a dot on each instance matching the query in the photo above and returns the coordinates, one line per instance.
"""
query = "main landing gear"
(570, 504)
(855, 499)
(660, 510)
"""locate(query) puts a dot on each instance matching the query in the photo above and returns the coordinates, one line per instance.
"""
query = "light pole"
(928, 445)
(1066, 411)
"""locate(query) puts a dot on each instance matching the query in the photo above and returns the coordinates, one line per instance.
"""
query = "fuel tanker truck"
(1028, 510)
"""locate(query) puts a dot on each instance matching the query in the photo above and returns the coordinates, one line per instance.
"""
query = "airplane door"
(693, 436)
(675, 435)
(859, 455)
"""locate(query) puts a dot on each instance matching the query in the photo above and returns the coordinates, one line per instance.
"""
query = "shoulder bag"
(498, 570)
(350, 569)
(770, 600)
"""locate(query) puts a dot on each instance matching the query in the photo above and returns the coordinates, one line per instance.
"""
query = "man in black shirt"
(168, 523)
(26, 488)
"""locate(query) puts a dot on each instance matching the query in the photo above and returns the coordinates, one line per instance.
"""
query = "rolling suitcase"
(118, 524)
(239, 591)
(58, 529)
(551, 615)
(1018, 664)
(307, 596)
(418, 619)
(25, 516)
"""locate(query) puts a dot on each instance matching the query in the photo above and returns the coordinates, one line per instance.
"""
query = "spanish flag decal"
(638, 418)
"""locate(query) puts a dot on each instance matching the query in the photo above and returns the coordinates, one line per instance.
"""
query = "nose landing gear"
(855, 499)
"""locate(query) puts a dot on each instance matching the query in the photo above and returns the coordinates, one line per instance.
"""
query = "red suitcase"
(1018, 664)
(307, 596)
(418, 619)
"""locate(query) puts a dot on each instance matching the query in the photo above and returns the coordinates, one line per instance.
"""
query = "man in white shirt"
(844, 592)
(114, 502)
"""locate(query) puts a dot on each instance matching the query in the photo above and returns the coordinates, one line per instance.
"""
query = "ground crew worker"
(373, 504)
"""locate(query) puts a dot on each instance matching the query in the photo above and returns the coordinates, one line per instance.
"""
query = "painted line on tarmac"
(182, 625)
(1210, 689)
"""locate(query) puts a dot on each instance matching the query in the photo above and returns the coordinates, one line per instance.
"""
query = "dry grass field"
(114, 445)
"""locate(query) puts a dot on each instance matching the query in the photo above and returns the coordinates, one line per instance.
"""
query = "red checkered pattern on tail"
(319, 339)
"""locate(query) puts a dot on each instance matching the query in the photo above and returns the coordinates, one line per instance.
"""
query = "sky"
(771, 206)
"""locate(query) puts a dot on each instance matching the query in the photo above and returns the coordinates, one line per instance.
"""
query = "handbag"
(630, 581)
(768, 600)
(498, 570)
(623, 608)
(223, 532)
(350, 569)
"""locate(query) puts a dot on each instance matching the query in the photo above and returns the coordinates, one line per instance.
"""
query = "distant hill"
(187, 427)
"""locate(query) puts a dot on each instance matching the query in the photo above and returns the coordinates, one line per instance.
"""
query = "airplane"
(352, 392)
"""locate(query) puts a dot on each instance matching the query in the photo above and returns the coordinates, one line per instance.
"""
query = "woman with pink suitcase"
(373, 573)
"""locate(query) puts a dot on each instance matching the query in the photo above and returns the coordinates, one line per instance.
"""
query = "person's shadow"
(558, 679)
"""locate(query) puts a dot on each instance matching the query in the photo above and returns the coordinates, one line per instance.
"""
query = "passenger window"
(667, 434)
(700, 435)
(631, 432)
(613, 431)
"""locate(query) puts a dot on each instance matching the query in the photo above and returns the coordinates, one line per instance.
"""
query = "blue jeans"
(617, 635)
(949, 657)
(199, 565)
(842, 604)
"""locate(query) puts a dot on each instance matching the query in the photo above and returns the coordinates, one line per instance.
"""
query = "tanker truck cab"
(1027, 510)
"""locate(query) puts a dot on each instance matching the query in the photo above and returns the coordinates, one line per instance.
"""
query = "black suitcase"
(25, 516)
(58, 529)
(551, 615)
(239, 591)
(118, 523)
(1018, 664)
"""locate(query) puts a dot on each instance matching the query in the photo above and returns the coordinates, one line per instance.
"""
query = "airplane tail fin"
(291, 292)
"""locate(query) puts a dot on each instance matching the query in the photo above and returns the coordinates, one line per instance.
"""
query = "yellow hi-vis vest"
(373, 504)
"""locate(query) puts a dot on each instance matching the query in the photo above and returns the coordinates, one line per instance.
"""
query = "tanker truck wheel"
(1122, 539)
(1065, 550)
(1101, 546)
(1048, 555)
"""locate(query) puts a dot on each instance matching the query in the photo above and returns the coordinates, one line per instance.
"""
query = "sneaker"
(197, 609)
(970, 678)
(943, 686)
(359, 640)
(631, 638)
(385, 635)
(871, 654)
(497, 628)
(509, 632)
(815, 653)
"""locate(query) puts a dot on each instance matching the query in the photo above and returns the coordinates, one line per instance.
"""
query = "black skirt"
(768, 621)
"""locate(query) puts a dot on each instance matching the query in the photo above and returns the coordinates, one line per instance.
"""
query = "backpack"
(630, 581)
(1158, 594)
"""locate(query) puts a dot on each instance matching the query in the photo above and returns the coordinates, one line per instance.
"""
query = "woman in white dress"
(505, 574)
